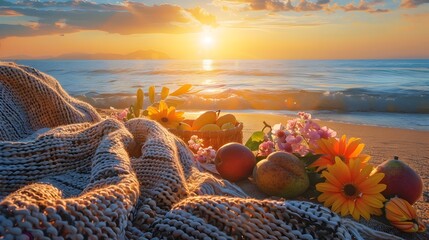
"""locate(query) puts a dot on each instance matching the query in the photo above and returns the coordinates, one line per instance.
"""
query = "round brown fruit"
(281, 174)
(234, 161)
(401, 180)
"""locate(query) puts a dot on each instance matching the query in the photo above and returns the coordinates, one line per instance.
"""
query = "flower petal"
(354, 147)
(374, 189)
(332, 179)
(371, 201)
(326, 187)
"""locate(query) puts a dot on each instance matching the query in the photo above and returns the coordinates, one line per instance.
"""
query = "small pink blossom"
(121, 116)
(292, 124)
(304, 115)
(300, 149)
(206, 155)
(297, 144)
(277, 129)
(266, 148)
(195, 142)
(326, 132)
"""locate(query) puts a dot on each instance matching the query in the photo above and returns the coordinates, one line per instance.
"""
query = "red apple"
(401, 180)
(234, 161)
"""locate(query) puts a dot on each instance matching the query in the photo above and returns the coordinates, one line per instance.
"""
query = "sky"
(218, 29)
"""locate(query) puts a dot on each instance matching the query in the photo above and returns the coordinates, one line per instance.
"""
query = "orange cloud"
(412, 3)
(8, 12)
(303, 5)
(127, 18)
(365, 6)
(203, 16)
(362, 6)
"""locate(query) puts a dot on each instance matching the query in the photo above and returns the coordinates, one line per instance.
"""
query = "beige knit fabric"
(67, 174)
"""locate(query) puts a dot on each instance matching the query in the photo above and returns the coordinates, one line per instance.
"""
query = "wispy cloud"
(275, 21)
(412, 3)
(302, 5)
(8, 12)
(365, 6)
(126, 18)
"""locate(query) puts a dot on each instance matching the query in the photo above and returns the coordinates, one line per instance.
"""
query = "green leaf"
(309, 158)
(260, 158)
(255, 140)
(130, 116)
(315, 178)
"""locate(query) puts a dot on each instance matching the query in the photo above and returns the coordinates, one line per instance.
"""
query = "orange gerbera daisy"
(350, 189)
(331, 148)
(165, 115)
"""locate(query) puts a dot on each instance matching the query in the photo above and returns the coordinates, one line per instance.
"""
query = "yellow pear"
(211, 127)
(204, 119)
(227, 126)
(281, 174)
(184, 126)
(227, 118)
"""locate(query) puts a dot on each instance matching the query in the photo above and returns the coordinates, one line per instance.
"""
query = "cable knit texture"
(65, 173)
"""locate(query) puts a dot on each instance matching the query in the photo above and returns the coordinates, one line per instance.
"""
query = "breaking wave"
(349, 100)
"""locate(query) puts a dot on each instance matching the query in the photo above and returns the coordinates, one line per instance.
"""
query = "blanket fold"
(65, 173)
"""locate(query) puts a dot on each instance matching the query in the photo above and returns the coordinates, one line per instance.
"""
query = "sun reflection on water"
(208, 65)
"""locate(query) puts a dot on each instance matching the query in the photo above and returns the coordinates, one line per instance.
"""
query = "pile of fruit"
(293, 165)
(209, 121)
(283, 174)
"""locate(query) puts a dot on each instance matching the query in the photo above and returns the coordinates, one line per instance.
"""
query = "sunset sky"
(219, 29)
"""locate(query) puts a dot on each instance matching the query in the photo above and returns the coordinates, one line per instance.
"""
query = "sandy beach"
(381, 143)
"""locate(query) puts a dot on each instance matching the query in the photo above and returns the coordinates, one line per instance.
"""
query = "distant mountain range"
(141, 54)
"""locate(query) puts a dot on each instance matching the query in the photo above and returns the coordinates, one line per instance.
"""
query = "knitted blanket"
(65, 173)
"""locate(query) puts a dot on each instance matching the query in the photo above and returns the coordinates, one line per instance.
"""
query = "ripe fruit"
(234, 161)
(227, 126)
(281, 174)
(401, 180)
(190, 122)
(184, 126)
(211, 127)
(403, 216)
(227, 118)
(204, 119)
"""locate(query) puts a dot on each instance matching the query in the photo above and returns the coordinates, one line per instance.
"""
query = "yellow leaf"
(182, 90)
(164, 93)
(152, 94)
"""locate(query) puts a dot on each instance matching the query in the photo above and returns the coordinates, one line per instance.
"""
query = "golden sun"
(207, 39)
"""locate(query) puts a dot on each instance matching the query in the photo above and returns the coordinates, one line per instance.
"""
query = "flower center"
(164, 119)
(350, 190)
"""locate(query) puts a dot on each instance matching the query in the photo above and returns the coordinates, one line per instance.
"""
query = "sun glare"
(207, 39)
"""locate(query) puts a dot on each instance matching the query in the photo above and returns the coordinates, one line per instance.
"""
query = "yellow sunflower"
(165, 115)
(331, 148)
(350, 189)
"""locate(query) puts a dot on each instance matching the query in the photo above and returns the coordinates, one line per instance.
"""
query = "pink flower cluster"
(206, 155)
(266, 148)
(297, 136)
(121, 116)
(203, 155)
(195, 143)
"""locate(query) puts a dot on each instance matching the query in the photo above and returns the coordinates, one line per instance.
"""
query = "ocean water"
(393, 93)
